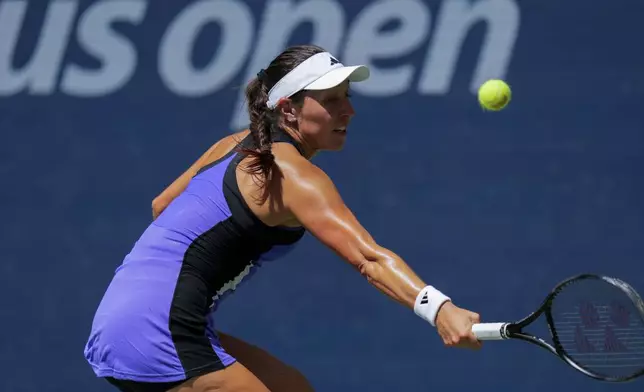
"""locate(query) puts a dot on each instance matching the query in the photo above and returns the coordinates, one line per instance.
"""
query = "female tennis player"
(248, 199)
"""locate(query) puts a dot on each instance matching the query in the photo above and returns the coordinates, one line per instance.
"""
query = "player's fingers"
(475, 318)
(476, 343)
(470, 343)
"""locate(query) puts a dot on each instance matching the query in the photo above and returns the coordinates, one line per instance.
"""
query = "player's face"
(323, 117)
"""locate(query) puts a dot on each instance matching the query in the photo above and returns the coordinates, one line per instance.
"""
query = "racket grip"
(489, 331)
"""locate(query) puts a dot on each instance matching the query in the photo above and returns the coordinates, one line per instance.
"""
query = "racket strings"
(600, 328)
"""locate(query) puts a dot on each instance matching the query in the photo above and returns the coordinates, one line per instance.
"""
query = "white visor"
(319, 72)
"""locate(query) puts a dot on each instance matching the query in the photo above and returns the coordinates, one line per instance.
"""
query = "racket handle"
(489, 331)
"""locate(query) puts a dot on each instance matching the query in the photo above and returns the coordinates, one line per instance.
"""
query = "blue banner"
(104, 103)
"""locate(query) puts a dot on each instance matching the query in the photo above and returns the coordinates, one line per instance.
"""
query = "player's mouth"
(342, 131)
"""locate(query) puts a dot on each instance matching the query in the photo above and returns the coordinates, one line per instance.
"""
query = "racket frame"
(515, 330)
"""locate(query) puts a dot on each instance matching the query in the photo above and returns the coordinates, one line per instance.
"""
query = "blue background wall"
(492, 208)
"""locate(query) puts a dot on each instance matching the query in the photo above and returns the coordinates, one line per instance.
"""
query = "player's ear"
(287, 110)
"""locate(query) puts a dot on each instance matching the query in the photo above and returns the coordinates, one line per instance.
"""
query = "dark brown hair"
(263, 120)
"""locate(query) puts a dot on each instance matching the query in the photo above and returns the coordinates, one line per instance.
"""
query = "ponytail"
(262, 160)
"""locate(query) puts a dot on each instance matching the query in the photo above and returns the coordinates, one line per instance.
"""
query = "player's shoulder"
(229, 140)
(235, 138)
(296, 170)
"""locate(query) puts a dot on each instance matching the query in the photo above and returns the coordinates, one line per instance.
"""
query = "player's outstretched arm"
(312, 198)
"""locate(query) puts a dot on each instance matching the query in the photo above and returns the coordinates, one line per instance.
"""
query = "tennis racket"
(596, 324)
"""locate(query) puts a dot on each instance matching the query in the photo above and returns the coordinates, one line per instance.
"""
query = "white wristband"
(428, 302)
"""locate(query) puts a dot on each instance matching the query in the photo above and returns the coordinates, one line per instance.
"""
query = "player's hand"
(455, 326)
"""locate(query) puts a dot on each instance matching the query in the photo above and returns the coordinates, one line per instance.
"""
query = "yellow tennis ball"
(494, 94)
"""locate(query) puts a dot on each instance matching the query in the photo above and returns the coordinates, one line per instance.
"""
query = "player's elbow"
(369, 260)
(158, 205)
(372, 267)
(366, 269)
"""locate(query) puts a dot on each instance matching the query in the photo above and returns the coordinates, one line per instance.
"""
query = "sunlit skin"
(301, 194)
(320, 121)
